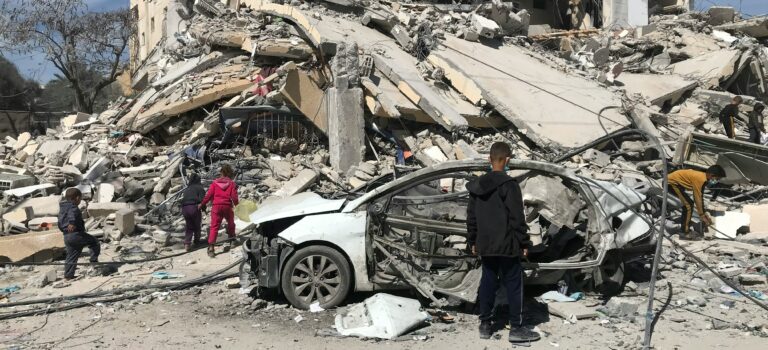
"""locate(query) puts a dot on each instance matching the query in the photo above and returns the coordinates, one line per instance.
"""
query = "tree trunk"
(83, 104)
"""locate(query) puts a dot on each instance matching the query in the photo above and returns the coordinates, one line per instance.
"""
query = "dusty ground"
(213, 317)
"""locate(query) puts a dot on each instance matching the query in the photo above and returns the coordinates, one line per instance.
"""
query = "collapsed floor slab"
(396, 64)
(551, 108)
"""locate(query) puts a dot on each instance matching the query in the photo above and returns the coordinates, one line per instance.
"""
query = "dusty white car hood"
(298, 205)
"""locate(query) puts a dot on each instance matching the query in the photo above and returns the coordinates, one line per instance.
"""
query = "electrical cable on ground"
(122, 294)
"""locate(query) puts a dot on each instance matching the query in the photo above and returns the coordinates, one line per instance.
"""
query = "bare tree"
(73, 39)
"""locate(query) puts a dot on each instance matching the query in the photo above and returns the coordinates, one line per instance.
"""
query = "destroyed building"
(323, 105)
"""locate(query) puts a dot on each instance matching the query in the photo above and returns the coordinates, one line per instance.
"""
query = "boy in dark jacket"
(223, 195)
(499, 235)
(75, 238)
(190, 200)
(728, 114)
(756, 126)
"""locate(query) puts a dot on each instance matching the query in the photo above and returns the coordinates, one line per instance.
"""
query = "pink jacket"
(223, 191)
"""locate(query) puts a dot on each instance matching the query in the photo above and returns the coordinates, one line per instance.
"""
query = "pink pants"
(218, 213)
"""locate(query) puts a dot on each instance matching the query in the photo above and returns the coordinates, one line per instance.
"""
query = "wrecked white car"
(410, 233)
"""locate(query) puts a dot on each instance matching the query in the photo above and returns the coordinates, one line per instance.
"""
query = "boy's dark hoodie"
(69, 213)
(194, 193)
(495, 216)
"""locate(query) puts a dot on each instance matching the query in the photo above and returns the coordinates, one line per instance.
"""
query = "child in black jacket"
(190, 200)
(75, 238)
(497, 232)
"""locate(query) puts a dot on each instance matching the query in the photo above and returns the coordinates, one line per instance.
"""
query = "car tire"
(609, 276)
(316, 274)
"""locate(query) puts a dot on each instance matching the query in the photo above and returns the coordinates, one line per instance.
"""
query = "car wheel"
(316, 274)
(609, 277)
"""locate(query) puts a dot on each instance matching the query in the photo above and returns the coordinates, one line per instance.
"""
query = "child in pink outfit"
(223, 195)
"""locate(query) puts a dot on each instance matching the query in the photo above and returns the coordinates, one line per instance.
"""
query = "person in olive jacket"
(497, 232)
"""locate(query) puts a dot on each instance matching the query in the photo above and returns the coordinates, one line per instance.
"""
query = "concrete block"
(355, 182)
(620, 307)
(596, 157)
(464, 151)
(125, 221)
(282, 170)
(301, 182)
(79, 157)
(32, 247)
(569, 311)
(431, 156)
(405, 18)
(720, 15)
(105, 193)
(484, 26)
(22, 141)
(104, 209)
(752, 278)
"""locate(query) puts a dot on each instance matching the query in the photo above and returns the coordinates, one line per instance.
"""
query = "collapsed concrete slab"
(552, 109)
(396, 64)
(709, 69)
(754, 27)
(214, 85)
(657, 89)
(32, 247)
(301, 182)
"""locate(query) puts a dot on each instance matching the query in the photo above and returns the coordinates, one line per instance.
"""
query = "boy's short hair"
(716, 171)
(738, 99)
(759, 107)
(500, 151)
(72, 194)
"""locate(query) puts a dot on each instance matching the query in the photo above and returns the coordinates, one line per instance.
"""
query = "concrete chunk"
(301, 182)
(570, 311)
(559, 110)
(620, 307)
(104, 209)
(484, 26)
(32, 247)
(125, 221)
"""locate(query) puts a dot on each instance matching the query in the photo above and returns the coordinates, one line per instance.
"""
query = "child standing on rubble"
(223, 194)
(71, 223)
(497, 232)
(190, 207)
(728, 114)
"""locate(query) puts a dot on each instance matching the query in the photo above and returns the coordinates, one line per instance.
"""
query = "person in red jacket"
(223, 194)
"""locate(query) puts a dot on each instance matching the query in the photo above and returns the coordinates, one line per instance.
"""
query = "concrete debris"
(316, 105)
(381, 316)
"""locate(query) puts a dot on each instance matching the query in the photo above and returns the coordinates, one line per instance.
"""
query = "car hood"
(297, 205)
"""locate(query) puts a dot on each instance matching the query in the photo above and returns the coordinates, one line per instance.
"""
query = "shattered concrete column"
(345, 110)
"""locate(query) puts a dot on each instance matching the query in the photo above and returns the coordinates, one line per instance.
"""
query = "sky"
(34, 66)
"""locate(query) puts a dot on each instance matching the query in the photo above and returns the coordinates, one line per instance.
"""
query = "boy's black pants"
(508, 271)
(75, 242)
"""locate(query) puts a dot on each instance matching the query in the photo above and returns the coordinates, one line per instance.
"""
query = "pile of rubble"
(328, 96)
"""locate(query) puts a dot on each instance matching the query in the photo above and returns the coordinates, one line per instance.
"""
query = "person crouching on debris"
(499, 235)
(190, 207)
(223, 194)
(756, 126)
(728, 114)
(695, 181)
(75, 238)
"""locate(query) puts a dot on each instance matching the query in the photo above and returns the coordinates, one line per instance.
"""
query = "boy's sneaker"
(522, 335)
(485, 330)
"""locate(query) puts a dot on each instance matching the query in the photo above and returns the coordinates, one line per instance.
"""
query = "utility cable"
(114, 295)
